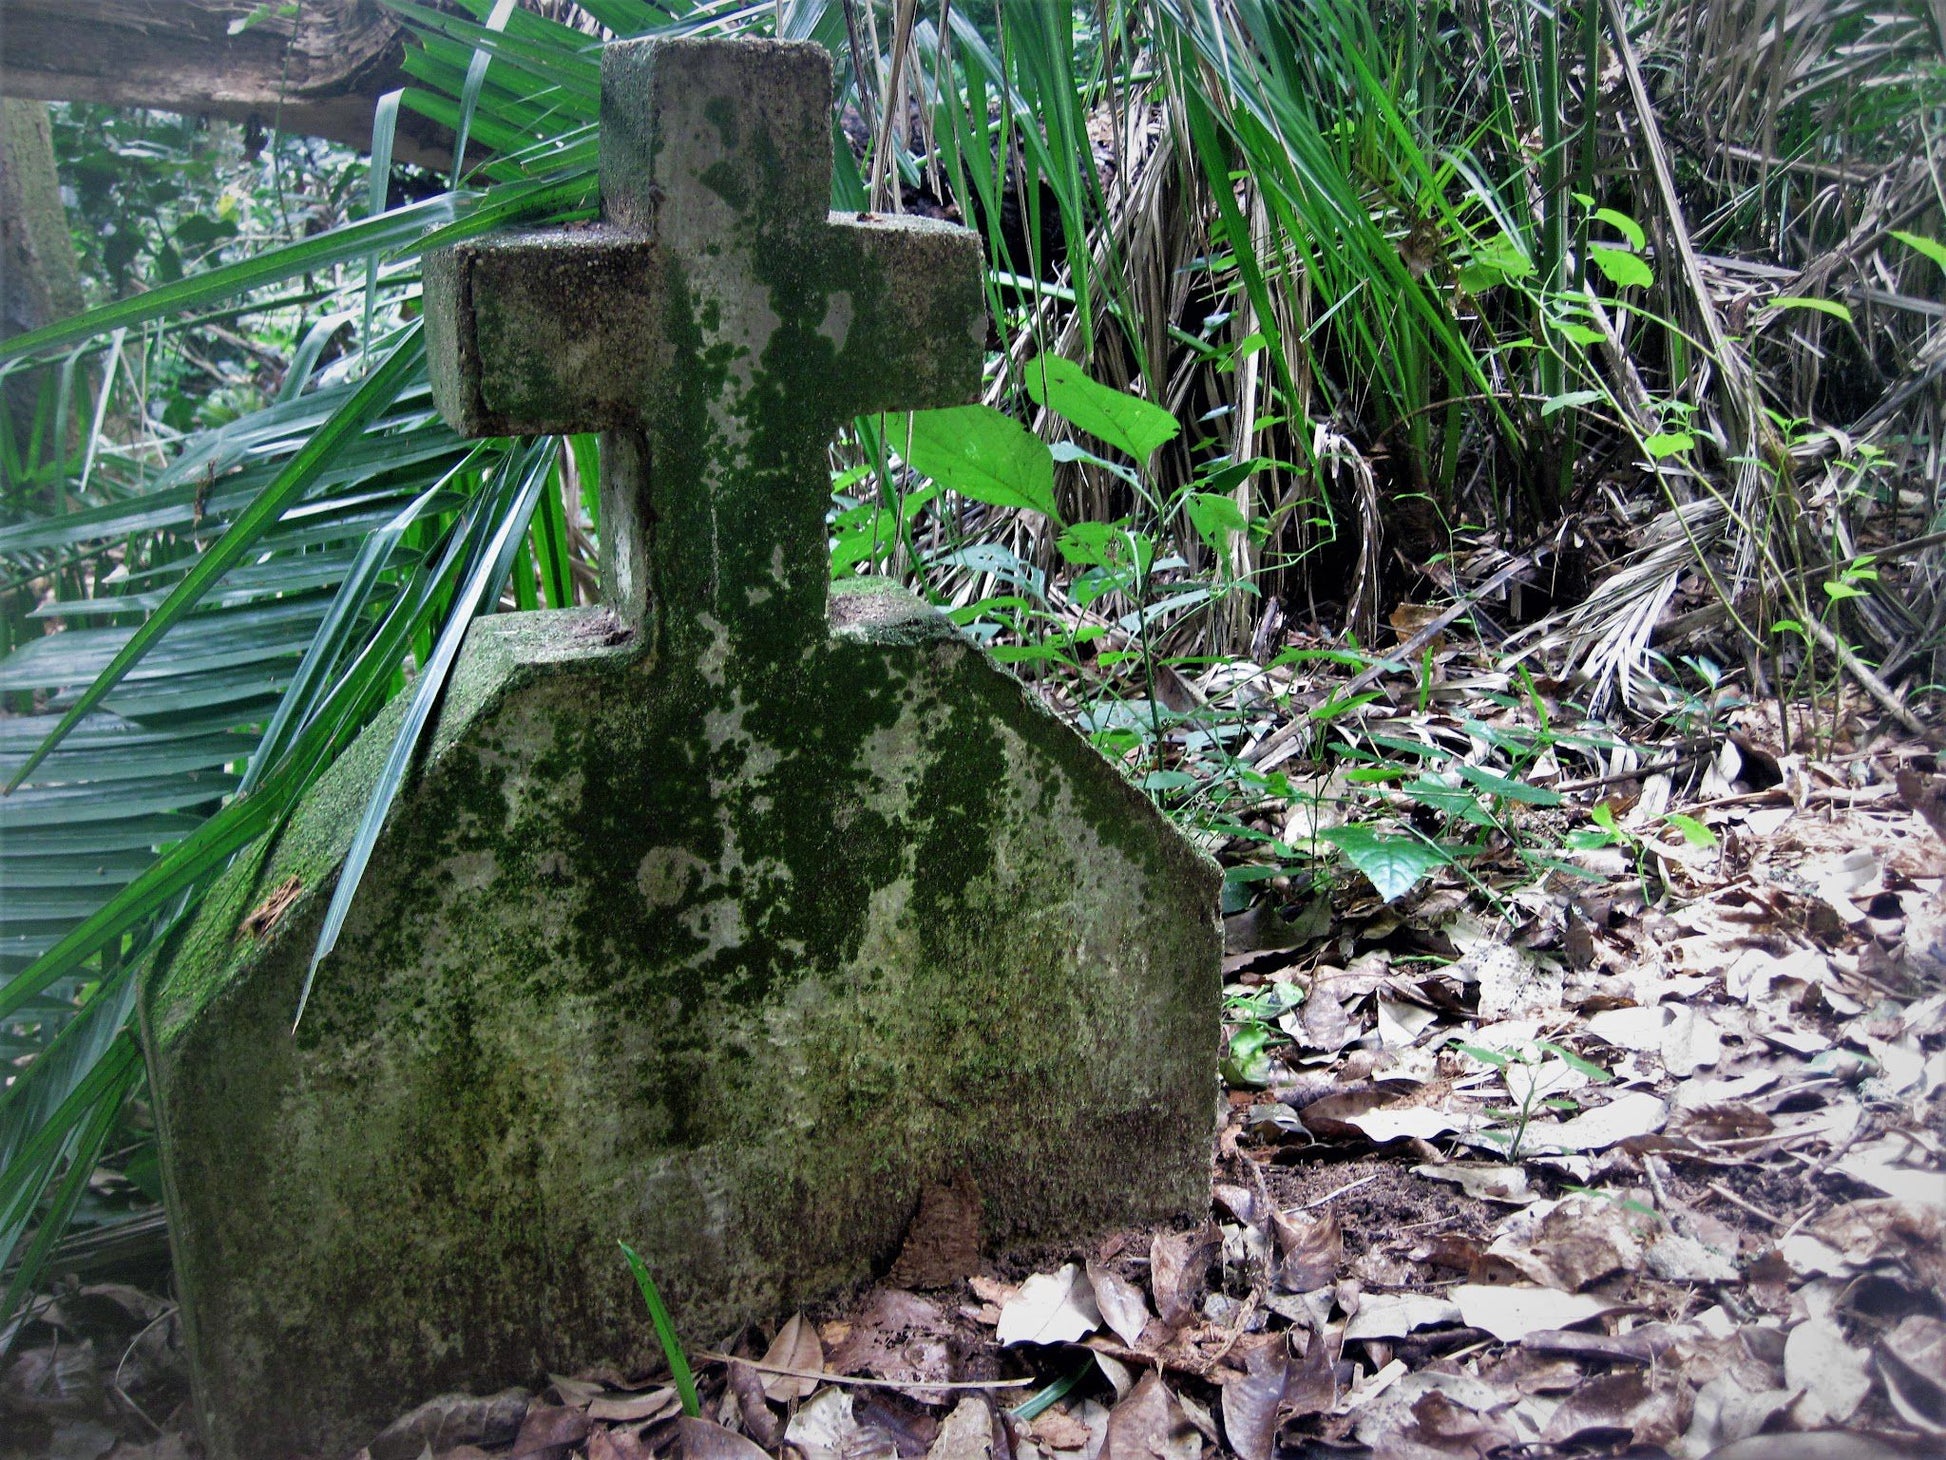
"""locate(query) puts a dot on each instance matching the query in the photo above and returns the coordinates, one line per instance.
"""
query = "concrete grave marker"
(722, 921)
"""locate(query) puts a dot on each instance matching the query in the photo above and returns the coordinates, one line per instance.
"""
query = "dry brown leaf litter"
(1727, 1241)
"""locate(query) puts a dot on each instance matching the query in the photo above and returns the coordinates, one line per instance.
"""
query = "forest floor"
(1642, 1159)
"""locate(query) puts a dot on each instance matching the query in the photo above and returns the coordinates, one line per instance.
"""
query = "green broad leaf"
(1840, 591)
(1570, 398)
(1799, 301)
(1624, 225)
(1623, 269)
(1088, 544)
(1333, 707)
(984, 455)
(1215, 517)
(1394, 864)
(1668, 443)
(1484, 1055)
(1581, 334)
(1932, 248)
(1448, 800)
(1508, 787)
(1126, 422)
(1164, 781)
(1693, 831)
(1246, 1064)
(1576, 1062)
(1493, 263)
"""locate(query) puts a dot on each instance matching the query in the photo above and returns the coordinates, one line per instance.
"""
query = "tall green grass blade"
(489, 571)
(665, 1332)
(371, 397)
(385, 125)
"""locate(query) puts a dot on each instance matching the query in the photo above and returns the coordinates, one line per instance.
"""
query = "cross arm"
(916, 332)
(537, 333)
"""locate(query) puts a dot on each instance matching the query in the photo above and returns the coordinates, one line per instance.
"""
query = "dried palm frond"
(1605, 638)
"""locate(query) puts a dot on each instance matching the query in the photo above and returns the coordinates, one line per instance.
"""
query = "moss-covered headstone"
(721, 921)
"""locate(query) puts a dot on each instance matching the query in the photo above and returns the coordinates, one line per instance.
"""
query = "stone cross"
(732, 937)
(718, 325)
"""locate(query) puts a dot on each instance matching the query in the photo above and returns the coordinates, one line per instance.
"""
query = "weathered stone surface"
(721, 922)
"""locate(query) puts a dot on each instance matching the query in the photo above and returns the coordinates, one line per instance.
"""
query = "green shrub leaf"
(1624, 225)
(1394, 864)
(1822, 306)
(1624, 269)
(1124, 421)
(1932, 248)
(983, 454)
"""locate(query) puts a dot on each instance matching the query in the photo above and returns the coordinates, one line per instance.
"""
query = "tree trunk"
(39, 278)
(311, 67)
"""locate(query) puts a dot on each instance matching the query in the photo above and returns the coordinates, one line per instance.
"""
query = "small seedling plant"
(1521, 1068)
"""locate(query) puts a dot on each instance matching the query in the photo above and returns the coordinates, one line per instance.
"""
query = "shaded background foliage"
(1636, 303)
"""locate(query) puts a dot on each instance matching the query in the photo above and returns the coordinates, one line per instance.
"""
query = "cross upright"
(717, 325)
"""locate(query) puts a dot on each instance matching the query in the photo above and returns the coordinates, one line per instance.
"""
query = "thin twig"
(1334, 1195)
(1877, 688)
(1751, 1207)
(824, 1378)
(1653, 768)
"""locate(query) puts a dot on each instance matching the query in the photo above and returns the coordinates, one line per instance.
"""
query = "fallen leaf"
(942, 1245)
(1482, 1181)
(1312, 1248)
(966, 1433)
(701, 1439)
(1150, 1425)
(1676, 1257)
(1401, 1122)
(1251, 1398)
(900, 1336)
(1178, 1267)
(633, 1408)
(1639, 1027)
(1691, 1042)
(1120, 1377)
(1580, 1242)
(1912, 1361)
(795, 1347)
(548, 1432)
(1511, 1313)
(1817, 1445)
(1652, 1408)
(1636, 1113)
(1050, 1308)
(1370, 1387)
(1512, 980)
(1724, 1412)
(1056, 1429)
(826, 1428)
(450, 1420)
(1394, 1315)
(1120, 1302)
(616, 1444)
(759, 1421)
(85, 1439)
(1311, 1383)
(1837, 1376)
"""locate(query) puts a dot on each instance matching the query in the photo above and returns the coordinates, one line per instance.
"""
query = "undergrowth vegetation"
(1607, 336)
